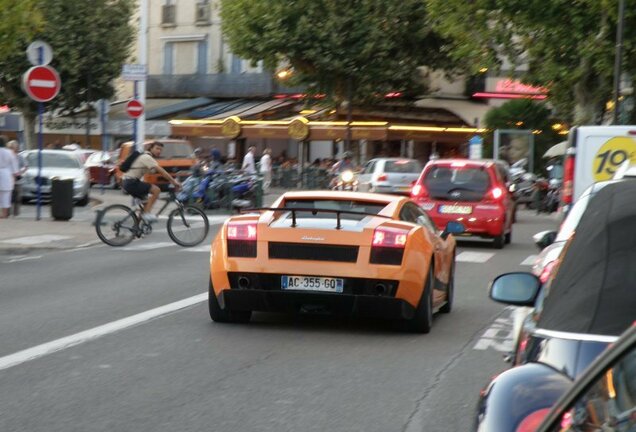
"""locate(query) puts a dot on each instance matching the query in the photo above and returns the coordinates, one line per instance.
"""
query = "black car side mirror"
(517, 289)
(544, 239)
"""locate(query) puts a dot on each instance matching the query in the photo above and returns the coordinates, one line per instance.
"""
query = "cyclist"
(133, 184)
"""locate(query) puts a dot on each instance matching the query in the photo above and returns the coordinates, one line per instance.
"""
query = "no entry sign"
(41, 83)
(134, 108)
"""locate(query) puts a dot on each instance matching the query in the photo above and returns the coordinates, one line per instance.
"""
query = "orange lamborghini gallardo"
(335, 252)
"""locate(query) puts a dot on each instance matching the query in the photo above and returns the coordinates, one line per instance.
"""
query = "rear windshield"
(53, 160)
(353, 206)
(467, 183)
(176, 151)
(402, 166)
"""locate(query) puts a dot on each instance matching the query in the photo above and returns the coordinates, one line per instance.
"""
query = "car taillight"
(387, 245)
(419, 191)
(383, 177)
(241, 239)
(547, 271)
(532, 421)
(568, 179)
(496, 193)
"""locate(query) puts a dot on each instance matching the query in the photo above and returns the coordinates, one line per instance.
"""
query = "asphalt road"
(181, 372)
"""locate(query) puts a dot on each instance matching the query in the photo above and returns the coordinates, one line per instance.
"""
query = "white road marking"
(32, 240)
(148, 246)
(499, 336)
(42, 350)
(204, 248)
(24, 258)
(474, 257)
(529, 261)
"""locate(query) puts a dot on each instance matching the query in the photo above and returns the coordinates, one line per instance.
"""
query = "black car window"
(423, 219)
(369, 167)
(402, 166)
(53, 160)
(462, 183)
(407, 214)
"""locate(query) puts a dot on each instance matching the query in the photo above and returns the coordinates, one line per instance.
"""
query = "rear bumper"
(484, 221)
(316, 303)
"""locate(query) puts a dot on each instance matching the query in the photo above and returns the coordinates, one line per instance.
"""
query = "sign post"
(136, 73)
(475, 146)
(41, 83)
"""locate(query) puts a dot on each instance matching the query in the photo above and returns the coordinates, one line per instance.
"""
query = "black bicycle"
(118, 224)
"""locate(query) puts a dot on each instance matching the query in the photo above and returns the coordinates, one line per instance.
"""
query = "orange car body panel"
(411, 274)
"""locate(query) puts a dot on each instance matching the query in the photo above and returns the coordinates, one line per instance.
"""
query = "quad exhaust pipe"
(244, 282)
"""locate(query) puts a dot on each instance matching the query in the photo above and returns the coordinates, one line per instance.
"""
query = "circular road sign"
(134, 108)
(41, 83)
(39, 53)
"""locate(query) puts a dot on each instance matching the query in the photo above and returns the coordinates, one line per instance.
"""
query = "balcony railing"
(216, 85)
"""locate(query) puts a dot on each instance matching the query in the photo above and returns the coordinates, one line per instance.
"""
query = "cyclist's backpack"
(127, 163)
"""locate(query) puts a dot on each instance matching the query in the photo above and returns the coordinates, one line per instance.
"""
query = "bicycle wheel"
(116, 225)
(188, 226)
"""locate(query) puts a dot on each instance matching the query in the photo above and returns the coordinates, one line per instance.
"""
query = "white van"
(593, 154)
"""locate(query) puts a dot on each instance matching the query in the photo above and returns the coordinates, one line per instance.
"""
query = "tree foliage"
(373, 45)
(19, 20)
(567, 45)
(525, 114)
(90, 41)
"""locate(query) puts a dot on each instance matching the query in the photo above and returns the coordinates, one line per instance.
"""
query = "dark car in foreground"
(586, 304)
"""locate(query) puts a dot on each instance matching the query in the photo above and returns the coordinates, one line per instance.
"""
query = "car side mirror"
(452, 227)
(544, 239)
(517, 288)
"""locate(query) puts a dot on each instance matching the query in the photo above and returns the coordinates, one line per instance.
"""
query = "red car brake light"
(390, 237)
(532, 421)
(241, 239)
(383, 177)
(568, 179)
(419, 191)
(547, 271)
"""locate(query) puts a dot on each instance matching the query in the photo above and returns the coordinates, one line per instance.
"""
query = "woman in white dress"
(8, 171)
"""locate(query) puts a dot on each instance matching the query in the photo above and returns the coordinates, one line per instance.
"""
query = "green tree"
(524, 114)
(19, 20)
(370, 47)
(90, 42)
(568, 46)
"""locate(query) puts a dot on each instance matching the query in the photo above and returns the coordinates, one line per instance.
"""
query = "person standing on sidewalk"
(266, 169)
(248, 161)
(8, 171)
(16, 197)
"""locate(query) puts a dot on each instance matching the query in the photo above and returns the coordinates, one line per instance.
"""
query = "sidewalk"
(21, 234)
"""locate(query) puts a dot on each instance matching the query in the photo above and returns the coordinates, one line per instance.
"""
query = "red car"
(472, 192)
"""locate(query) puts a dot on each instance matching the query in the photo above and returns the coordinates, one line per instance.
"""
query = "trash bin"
(61, 199)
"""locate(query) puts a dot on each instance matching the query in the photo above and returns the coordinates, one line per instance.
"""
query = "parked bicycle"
(118, 224)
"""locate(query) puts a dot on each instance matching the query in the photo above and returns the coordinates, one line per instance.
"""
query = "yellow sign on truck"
(593, 154)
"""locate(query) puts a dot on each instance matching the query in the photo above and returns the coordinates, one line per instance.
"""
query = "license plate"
(455, 209)
(310, 283)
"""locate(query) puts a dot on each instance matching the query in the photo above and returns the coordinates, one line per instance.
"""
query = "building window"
(202, 57)
(202, 12)
(169, 14)
(237, 64)
(168, 56)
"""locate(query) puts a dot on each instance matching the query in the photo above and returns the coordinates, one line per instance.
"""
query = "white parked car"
(389, 175)
(60, 164)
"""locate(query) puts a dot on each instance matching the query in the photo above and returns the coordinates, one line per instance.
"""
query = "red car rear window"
(466, 183)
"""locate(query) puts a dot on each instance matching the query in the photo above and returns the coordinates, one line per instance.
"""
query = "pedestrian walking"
(8, 170)
(16, 197)
(248, 161)
(266, 169)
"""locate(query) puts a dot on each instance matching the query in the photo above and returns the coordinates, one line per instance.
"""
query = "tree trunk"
(587, 103)
(30, 136)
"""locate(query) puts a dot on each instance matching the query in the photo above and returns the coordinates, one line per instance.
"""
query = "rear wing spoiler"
(313, 211)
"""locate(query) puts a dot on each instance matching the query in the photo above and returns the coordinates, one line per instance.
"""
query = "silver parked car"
(389, 175)
(60, 164)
